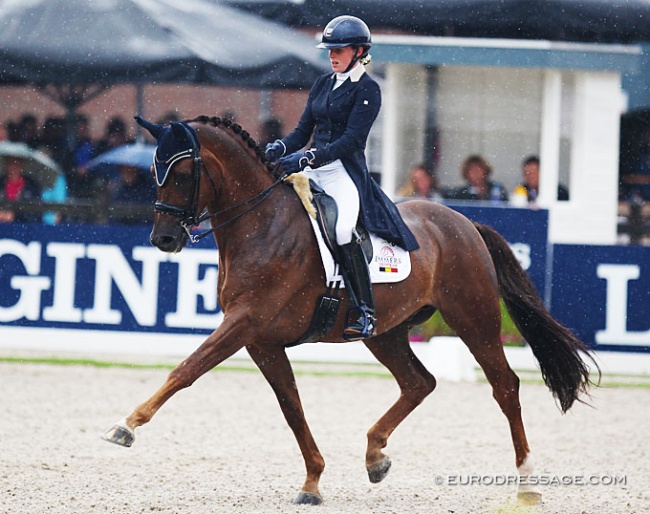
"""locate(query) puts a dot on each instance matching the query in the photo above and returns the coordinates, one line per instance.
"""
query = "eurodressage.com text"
(533, 480)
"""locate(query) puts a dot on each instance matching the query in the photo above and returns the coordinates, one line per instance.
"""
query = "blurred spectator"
(421, 184)
(52, 141)
(28, 128)
(271, 130)
(476, 171)
(168, 117)
(14, 187)
(132, 186)
(530, 180)
(13, 131)
(115, 135)
(56, 194)
(636, 184)
(229, 115)
(80, 183)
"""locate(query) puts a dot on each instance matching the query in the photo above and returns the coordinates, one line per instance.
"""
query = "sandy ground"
(223, 446)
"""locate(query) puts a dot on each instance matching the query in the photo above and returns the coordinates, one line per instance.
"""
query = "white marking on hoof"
(528, 494)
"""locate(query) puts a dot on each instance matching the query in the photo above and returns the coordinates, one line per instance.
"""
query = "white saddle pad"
(389, 263)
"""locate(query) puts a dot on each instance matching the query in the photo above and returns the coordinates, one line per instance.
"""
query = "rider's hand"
(297, 161)
(275, 150)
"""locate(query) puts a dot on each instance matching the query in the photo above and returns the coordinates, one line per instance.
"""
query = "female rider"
(340, 110)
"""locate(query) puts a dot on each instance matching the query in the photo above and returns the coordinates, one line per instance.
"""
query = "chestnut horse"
(271, 276)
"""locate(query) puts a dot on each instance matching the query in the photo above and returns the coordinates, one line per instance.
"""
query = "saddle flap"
(326, 217)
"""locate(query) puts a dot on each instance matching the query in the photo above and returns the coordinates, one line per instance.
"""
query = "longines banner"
(105, 278)
(603, 294)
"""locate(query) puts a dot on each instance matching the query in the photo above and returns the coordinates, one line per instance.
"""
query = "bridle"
(188, 216)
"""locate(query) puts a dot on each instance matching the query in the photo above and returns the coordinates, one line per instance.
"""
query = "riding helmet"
(346, 31)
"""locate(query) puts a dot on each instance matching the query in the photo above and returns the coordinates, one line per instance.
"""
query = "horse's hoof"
(529, 498)
(120, 434)
(377, 472)
(304, 498)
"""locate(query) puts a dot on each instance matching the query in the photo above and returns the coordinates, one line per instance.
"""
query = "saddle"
(326, 214)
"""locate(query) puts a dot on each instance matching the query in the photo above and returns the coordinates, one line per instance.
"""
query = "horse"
(270, 278)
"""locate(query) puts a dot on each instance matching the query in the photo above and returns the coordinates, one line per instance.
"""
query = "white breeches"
(336, 182)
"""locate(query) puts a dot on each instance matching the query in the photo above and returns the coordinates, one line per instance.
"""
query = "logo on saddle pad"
(386, 260)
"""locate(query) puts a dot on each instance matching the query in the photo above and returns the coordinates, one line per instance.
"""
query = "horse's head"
(177, 170)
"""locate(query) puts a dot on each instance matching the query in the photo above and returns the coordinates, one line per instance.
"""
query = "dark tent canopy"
(113, 41)
(602, 21)
(72, 50)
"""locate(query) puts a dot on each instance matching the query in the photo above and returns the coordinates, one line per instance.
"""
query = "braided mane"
(237, 129)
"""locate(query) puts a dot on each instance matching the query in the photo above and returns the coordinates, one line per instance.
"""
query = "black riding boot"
(360, 319)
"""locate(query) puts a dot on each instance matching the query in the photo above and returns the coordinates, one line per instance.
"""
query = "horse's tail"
(555, 347)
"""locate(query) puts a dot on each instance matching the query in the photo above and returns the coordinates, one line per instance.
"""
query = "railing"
(85, 211)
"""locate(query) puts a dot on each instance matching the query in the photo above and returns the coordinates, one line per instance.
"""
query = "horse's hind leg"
(481, 334)
(393, 350)
(276, 368)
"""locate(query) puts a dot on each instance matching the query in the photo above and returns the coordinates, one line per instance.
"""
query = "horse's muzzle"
(171, 243)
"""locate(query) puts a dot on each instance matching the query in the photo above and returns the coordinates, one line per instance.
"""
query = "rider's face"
(342, 57)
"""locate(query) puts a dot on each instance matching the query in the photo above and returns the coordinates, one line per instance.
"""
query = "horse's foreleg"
(393, 350)
(276, 368)
(220, 345)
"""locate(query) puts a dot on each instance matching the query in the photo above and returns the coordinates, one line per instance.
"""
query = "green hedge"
(436, 326)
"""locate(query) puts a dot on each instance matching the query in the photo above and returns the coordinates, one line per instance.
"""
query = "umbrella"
(139, 155)
(38, 166)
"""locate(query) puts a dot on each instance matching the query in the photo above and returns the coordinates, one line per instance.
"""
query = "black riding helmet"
(347, 31)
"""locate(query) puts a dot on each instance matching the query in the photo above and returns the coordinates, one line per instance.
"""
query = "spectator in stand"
(13, 131)
(80, 183)
(229, 115)
(421, 184)
(132, 186)
(56, 194)
(14, 187)
(476, 171)
(53, 142)
(271, 130)
(530, 180)
(636, 183)
(28, 127)
(114, 136)
(168, 117)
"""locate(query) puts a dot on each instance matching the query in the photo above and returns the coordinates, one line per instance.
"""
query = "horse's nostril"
(165, 243)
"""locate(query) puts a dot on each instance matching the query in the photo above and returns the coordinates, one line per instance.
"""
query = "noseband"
(188, 216)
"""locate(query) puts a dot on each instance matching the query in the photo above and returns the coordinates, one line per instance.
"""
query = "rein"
(187, 215)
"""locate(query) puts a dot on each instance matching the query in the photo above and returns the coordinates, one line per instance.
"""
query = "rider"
(340, 110)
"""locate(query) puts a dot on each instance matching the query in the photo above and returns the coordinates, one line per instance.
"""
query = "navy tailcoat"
(338, 123)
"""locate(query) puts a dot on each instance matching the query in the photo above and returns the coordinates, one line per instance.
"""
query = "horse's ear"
(154, 128)
(179, 131)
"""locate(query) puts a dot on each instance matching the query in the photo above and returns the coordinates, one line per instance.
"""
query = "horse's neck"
(275, 224)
